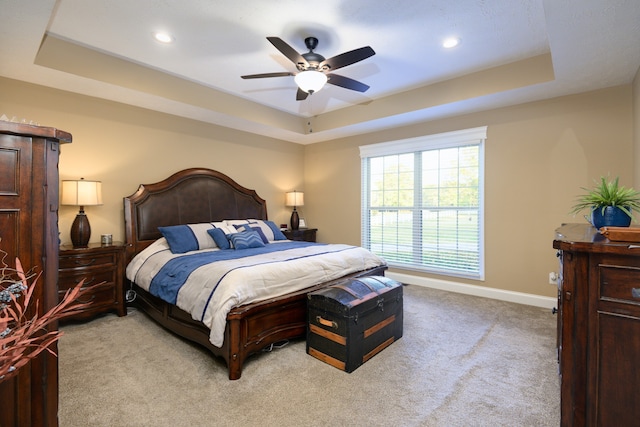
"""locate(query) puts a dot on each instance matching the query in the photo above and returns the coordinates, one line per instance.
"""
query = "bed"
(197, 196)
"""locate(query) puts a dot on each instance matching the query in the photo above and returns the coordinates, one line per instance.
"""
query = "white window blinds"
(422, 202)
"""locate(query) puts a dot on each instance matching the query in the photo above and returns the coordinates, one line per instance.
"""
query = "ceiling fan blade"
(288, 51)
(301, 95)
(263, 75)
(346, 83)
(348, 58)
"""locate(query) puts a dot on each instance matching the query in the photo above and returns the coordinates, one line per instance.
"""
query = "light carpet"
(463, 361)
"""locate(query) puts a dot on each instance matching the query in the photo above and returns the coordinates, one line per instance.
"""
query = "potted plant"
(610, 204)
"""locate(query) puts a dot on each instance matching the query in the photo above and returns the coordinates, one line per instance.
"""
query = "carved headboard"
(187, 197)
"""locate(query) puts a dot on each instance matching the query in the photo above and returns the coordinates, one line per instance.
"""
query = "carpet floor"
(462, 361)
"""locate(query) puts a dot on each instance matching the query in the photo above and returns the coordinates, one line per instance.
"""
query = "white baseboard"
(480, 291)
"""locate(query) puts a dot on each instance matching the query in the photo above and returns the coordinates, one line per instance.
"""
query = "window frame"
(474, 136)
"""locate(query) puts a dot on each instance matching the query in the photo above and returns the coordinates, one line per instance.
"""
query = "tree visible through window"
(422, 202)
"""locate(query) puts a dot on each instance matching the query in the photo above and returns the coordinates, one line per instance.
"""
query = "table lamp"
(81, 193)
(294, 198)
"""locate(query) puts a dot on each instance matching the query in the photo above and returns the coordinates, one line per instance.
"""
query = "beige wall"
(537, 156)
(125, 146)
(636, 128)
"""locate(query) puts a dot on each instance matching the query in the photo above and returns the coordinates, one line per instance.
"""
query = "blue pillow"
(269, 228)
(220, 238)
(258, 230)
(181, 238)
(246, 240)
(188, 237)
(277, 234)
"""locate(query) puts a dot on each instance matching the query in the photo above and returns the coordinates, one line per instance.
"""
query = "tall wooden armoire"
(29, 231)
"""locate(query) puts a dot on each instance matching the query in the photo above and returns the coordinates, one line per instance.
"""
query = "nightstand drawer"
(84, 261)
(102, 295)
(92, 277)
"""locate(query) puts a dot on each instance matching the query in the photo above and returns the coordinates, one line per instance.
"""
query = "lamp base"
(295, 220)
(80, 231)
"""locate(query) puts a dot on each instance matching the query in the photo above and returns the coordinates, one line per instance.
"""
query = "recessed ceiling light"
(163, 37)
(451, 42)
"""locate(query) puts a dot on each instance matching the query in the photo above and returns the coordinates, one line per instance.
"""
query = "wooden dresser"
(598, 328)
(29, 231)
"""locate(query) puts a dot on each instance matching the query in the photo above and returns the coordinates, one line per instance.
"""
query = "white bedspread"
(212, 290)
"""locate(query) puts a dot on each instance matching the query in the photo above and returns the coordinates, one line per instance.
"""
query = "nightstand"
(303, 234)
(96, 264)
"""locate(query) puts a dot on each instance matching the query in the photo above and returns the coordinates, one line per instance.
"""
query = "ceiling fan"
(314, 70)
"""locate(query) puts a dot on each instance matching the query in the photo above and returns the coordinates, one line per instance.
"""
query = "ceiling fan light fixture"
(163, 37)
(314, 71)
(310, 81)
(450, 42)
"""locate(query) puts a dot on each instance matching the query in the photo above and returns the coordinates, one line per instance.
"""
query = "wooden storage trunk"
(352, 321)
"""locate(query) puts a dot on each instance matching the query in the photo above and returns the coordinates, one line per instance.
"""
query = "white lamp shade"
(294, 198)
(81, 193)
(311, 81)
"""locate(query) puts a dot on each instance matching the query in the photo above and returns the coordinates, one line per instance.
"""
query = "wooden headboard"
(190, 196)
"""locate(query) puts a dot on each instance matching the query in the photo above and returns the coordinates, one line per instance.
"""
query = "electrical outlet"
(553, 278)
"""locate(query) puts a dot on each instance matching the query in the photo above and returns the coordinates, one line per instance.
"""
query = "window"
(422, 202)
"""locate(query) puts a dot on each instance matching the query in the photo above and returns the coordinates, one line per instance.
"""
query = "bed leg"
(235, 367)
(235, 359)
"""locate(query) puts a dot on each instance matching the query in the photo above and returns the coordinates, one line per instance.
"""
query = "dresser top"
(91, 246)
(586, 238)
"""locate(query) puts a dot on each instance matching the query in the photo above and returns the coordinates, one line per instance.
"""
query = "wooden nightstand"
(96, 264)
(303, 234)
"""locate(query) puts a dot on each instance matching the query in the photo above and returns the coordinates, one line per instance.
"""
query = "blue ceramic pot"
(613, 216)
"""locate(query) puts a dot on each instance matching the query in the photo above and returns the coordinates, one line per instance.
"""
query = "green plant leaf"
(608, 193)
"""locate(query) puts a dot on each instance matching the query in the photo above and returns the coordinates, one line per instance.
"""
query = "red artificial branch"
(22, 339)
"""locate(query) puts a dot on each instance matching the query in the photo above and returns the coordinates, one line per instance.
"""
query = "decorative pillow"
(269, 228)
(189, 237)
(220, 237)
(246, 240)
(277, 234)
(236, 222)
(228, 229)
(249, 227)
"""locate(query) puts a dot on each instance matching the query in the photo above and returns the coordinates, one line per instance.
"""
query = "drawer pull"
(89, 281)
(84, 264)
(86, 301)
(327, 323)
(635, 292)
